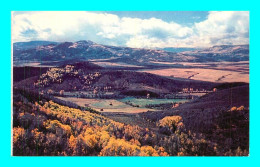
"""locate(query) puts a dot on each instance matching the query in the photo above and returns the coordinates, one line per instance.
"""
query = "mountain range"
(39, 51)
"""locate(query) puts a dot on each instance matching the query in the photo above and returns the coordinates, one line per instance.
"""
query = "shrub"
(172, 123)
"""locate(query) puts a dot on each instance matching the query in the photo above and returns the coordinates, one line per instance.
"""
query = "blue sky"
(180, 17)
(140, 29)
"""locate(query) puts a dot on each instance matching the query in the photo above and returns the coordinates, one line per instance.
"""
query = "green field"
(119, 105)
(143, 102)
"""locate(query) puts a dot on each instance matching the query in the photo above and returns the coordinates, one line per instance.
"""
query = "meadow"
(125, 105)
(218, 72)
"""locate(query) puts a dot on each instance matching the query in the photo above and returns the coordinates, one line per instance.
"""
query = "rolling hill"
(85, 76)
(40, 51)
(222, 116)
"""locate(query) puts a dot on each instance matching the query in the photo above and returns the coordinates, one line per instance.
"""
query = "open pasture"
(105, 105)
(212, 72)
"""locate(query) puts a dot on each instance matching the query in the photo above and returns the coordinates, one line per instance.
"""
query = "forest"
(42, 127)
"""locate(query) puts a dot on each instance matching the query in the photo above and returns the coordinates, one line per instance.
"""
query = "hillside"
(22, 73)
(222, 116)
(232, 53)
(85, 76)
(18, 46)
(88, 50)
(43, 127)
(199, 110)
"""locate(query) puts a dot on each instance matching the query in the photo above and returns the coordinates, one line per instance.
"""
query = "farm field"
(111, 64)
(208, 71)
(104, 104)
(119, 105)
(143, 102)
(202, 74)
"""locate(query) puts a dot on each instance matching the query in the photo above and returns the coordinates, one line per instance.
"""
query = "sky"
(138, 29)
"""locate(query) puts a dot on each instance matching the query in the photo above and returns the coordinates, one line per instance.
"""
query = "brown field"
(213, 72)
(109, 64)
(211, 75)
(98, 104)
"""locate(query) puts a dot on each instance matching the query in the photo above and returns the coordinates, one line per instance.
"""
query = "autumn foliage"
(46, 128)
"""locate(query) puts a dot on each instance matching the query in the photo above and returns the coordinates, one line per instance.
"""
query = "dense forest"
(46, 128)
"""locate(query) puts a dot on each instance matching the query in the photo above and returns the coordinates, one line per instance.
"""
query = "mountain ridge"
(86, 50)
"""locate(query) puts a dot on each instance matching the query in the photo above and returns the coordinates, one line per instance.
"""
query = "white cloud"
(60, 26)
(228, 27)
(219, 28)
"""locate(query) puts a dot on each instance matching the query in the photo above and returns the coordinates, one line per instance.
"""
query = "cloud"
(227, 27)
(61, 26)
(219, 28)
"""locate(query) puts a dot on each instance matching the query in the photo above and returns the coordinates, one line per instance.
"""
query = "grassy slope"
(21, 73)
(208, 115)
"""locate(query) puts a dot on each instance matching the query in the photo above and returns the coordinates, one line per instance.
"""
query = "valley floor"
(126, 105)
(212, 72)
(213, 123)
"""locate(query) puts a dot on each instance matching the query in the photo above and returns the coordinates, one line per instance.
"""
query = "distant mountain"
(31, 44)
(177, 50)
(88, 50)
(231, 53)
